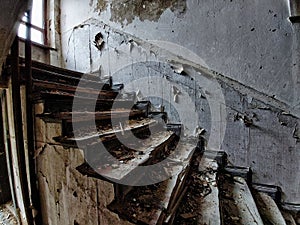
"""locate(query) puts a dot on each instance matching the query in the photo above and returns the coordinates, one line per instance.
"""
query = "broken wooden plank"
(142, 155)
(67, 72)
(72, 117)
(129, 126)
(132, 126)
(41, 84)
(150, 145)
(167, 193)
(201, 203)
(45, 75)
(177, 183)
(62, 101)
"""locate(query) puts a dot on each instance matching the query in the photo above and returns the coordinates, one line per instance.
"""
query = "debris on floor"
(6, 216)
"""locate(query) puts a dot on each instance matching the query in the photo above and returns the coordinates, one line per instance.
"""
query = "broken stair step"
(177, 152)
(166, 194)
(268, 209)
(45, 75)
(180, 156)
(237, 204)
(73, 117)
(40, 85)
(156, 142)
(56, 101)
(200, 205)
(177, 184)
(88, 130)
(176, 165)
(133, 125)
(59, 70)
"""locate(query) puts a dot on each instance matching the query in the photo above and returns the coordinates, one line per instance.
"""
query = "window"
(38, 19)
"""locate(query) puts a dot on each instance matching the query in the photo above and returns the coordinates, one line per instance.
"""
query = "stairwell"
(197, 186)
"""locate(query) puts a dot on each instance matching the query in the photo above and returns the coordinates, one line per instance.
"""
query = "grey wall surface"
(240, 74)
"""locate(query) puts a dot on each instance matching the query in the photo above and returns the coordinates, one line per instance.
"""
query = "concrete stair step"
(289, 219)
(237, 204)
(291, 213)
(268, 209)
(200, 205)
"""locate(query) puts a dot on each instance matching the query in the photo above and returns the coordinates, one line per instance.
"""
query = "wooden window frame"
(43, 29)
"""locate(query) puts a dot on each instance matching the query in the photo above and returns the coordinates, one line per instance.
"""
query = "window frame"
(43, 30)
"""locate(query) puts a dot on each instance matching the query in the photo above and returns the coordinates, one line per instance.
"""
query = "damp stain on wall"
(125, 11)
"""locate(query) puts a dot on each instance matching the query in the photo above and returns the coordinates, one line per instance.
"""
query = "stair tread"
(60, 95)
(91, 116)
(64, 102)
(42, 74)
(123, 169)
(237, 203)
(163, 197)
(200, 205)
(268, 209)
(68, 72)
(129, 126)
(69, 88)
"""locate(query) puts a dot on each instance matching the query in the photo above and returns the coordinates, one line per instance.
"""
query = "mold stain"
(125, 11)
(101, 5)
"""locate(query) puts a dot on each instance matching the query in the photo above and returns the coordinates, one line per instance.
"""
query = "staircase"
(203, 189)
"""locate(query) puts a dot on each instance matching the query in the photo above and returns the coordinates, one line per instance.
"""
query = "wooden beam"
(17, 114)
(30, 124)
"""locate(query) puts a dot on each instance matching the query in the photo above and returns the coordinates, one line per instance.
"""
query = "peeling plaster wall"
(250, 42)
(252, 46)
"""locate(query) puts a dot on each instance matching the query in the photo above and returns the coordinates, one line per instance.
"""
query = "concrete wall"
(248, 41)
(240, 62)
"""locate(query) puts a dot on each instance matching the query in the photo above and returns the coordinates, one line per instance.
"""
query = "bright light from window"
(37, 21)
(37, 17)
